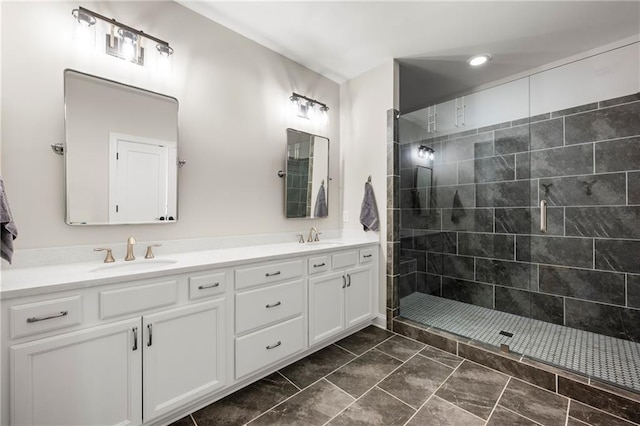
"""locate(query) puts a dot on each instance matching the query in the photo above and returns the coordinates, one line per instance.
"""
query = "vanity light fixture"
(122, 41)
(426, 152)
(308, 108)
(477, 60)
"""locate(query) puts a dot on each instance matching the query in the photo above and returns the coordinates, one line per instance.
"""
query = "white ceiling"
(431, 39)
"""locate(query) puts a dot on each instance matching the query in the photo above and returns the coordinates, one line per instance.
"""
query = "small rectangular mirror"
(307, 175)
(121, 153)
(422, 191)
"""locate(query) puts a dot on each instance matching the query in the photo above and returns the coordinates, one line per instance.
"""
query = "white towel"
(8, 231)
(369, 210)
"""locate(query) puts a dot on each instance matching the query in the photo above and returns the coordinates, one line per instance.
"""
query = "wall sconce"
(426, 152)
(122, 41)
(305, 107)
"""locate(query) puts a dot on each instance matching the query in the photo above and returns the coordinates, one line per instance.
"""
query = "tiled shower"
(474, 262)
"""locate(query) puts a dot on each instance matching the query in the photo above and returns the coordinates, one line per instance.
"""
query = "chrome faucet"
(311, 238)
(130, 243)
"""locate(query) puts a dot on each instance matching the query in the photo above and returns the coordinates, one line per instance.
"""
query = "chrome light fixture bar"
(127, 43)
(305, 107)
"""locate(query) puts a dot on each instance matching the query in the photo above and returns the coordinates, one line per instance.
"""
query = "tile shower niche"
(475, 262)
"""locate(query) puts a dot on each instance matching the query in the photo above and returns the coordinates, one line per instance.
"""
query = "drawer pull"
(150, 328)
(272, 274)
(367, 255)
(275, 345)
(135, 338)
(36, 319)
(273, 305)
(205, 286)
(319, 265)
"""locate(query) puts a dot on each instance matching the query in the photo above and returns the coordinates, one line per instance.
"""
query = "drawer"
(264, 347)
(32, 318)
(344, 259)
(267, 305)
(207, 285)
(268, 273)
(318, 264)
(128, 300)
(367, 255)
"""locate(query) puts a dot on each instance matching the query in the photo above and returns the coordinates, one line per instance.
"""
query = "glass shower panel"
(585, 162)
(465, 199)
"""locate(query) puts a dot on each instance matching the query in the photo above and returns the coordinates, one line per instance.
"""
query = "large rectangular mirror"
(121, 153)
(307, 173)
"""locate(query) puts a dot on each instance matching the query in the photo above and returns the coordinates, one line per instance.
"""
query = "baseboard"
(380, 321)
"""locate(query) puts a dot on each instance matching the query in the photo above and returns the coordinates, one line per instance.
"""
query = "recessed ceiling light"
(477, 60)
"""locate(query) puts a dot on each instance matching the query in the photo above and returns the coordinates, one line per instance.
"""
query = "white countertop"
(30, 281)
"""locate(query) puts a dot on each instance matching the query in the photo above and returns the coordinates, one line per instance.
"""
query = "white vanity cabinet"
(139, 351)
(183, 355)
(343, 297)
(87, 377)
(147, 351)
(269, 313)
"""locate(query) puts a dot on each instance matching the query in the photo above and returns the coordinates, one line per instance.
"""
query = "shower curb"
(606, 397)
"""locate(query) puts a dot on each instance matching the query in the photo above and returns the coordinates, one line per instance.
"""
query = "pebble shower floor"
(607, 358)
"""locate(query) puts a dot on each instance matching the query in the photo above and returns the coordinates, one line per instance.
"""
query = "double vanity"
(148, 341)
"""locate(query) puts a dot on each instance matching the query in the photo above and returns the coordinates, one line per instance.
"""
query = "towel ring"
(369, 179)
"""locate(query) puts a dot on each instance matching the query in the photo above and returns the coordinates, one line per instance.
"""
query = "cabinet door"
(326, 306)
(184, 355)
(87, 377)
(359, 303)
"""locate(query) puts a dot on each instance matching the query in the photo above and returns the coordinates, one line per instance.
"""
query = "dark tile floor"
(375, 377)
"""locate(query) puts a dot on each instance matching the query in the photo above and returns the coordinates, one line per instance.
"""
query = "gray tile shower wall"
(479, 241)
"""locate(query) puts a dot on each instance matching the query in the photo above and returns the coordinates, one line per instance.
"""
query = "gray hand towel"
(320, 209)
(8, 231)
(457, 212)
(369, 210)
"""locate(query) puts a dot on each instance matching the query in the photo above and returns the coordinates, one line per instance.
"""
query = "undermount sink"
(134, 266)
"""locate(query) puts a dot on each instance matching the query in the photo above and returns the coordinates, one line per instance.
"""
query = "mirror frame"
(66, 159)
(328, 178)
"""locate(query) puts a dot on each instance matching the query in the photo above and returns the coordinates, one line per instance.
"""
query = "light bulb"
(431, 156)
(311, 110)
(164, 61)
(84, 32)
(128, 48)
(295, 105)
(324, 114)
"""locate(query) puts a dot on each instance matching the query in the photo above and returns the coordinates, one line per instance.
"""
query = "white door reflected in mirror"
(139, 184)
